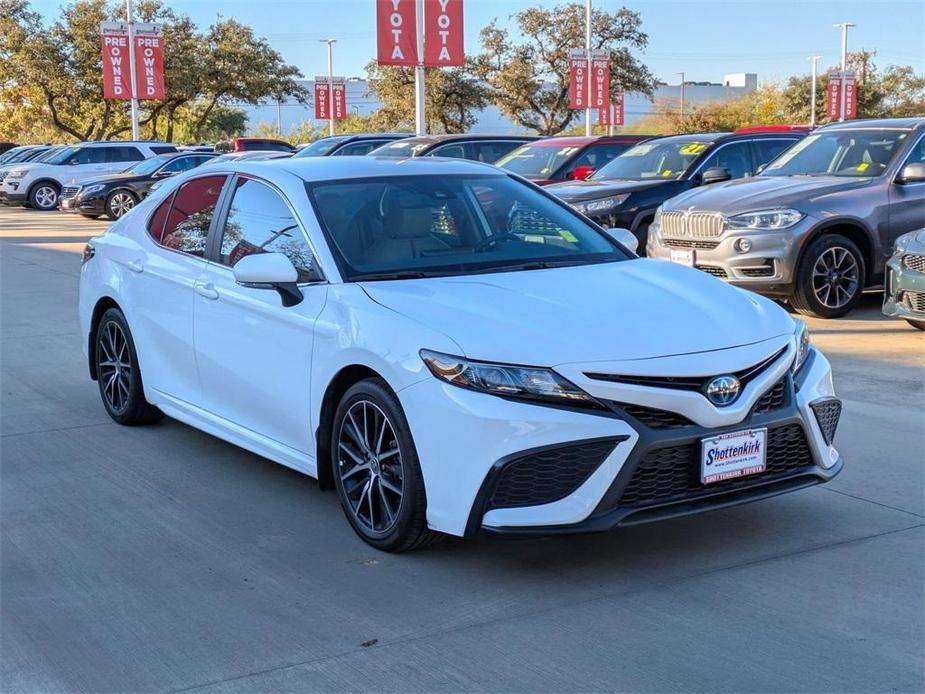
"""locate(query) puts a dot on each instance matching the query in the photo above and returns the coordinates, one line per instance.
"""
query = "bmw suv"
(816, 226)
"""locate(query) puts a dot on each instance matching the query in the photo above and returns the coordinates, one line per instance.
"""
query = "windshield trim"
(347, 275)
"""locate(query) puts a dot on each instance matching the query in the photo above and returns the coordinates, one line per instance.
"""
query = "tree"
(530, 79)
(451, 95)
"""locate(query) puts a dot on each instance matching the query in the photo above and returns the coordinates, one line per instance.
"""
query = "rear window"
(182, 222)
(163, 149)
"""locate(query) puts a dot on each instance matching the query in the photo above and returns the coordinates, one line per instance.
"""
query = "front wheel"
(376, 469)
(44, 196)
(920, 325)
(118, 373)
(118, 203)
(830, 278)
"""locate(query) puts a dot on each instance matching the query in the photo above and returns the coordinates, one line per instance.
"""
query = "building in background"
(490, 120)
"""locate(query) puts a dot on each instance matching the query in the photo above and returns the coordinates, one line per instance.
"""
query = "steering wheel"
(485, 244)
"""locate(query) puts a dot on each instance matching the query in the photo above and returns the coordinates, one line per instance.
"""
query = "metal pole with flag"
(330, 99)
(844, 64)
(420, 124)
(588, 69)
(812, 93)
(133, 80)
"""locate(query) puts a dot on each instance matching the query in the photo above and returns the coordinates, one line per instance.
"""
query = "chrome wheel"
(45, 197)
(369, 463)
(836, 277)
(114, 366)
(120, 203)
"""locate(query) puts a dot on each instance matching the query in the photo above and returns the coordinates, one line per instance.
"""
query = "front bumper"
(79, 204)
(10, 195)
(595, 471)
(768, 267)
(904, 291)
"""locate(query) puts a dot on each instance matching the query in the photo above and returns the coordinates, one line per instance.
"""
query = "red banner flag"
(149, 61)
(613, 113)
(339, 98)
(833, 95)
(851, 96)
(396, 29)
(578, 79)
(600, 80)
(322, 99)
(443, 33)
(116, 79)
(330, 101)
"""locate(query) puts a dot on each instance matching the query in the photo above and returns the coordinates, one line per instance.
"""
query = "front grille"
(655, 418)
(698, 225)
(914, 301)
(689, 243)
(547, 476)
(672, 474)
(3, 174)
(711, 270)
(69, 191)
(914, 262)
(774, 399)
(828, 412)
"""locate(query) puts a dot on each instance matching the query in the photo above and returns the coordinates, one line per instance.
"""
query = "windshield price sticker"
(693, 148)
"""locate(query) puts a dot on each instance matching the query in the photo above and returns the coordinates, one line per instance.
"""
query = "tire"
(830, 278)
(118, 202)
(44, 196)
(917, 324)
(118, 373)
(642, 236)
(381, 492)
(89, 216)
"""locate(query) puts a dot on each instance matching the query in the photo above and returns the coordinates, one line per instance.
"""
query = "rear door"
(120, 157)
(86, 162)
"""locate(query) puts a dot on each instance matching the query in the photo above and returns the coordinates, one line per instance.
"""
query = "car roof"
(314, 169)
(583, 140)
(904, 123)
(687, 137)
(434, 139)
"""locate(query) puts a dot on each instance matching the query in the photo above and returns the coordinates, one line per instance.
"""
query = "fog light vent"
(828, 412)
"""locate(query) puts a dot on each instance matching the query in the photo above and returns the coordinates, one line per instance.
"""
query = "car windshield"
(399, 148)
(320, 148)
(18, 155)
(400, 227)
(48, 154)
(61, 155)
(855, 153)
(537, 161)
(146, 166)
(668, 159)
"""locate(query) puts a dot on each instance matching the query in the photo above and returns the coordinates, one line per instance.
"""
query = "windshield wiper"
(398, 275)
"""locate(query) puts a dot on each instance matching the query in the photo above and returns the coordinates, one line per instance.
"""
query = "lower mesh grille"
(547, 476)
(711, 270)
(657, 419)
(827, 414)
(766, 271)
(69, 191)
(774, 399)
(673, 474)
(914, 300)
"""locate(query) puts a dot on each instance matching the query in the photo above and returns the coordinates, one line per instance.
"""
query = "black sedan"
(115, 194)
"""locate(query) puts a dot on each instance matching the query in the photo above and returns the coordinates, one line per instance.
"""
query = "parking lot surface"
(161, 558)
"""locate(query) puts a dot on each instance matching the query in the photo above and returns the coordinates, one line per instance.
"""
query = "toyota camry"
(451, 349)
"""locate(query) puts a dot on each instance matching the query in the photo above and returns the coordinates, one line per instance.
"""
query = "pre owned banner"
(396, 30)
(851, 95)
(612, 114)
(330, 101)
(600, 79)
(149, 61)
(339, 98)
(322, 98)
(578, 79)
(443, 33)
(116, 79)
(833, 95)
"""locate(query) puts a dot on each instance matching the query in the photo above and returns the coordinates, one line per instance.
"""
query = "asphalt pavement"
(162, 559)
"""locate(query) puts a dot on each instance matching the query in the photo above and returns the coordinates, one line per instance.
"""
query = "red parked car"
(557, 159)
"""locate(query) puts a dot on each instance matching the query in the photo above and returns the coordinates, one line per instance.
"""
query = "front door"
(254, 354)
(907, 200)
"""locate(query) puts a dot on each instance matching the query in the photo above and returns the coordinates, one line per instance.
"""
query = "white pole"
(420, 123)
(844, 64)
(812, 97)
(588, 70)
(682, 97)
(131, 69)
(330, 43)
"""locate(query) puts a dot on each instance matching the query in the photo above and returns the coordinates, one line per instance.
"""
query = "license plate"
(684, 256)
(736, 454)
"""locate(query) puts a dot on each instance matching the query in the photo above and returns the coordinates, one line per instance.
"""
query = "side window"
(768, 150)
(186, 225)
(734, 157)
(179, 164)
(455, 150)
(88, 155)
(917, 155)
(358, 149)
(163, 149)
(490, 152)
(259, 221)
(117, 155)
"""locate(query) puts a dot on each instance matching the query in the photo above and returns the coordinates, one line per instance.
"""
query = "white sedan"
(450, 348)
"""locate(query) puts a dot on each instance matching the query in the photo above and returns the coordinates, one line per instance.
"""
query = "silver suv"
(816, 226)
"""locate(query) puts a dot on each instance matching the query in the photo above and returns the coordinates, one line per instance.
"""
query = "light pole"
(812, 92)
(844, 63)
(131, 70)
(420, 124)
(682, 97)
(330, 43)
(588, 58)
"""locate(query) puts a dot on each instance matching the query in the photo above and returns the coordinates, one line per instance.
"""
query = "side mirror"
(912, 173)
(624, 237)
(269, 271)
(715, 174)
(582, 172)
(761, 167)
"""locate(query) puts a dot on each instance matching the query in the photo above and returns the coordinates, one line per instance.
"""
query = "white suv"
(39, 184)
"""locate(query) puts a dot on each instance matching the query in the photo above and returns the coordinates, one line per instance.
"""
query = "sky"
(704, 39)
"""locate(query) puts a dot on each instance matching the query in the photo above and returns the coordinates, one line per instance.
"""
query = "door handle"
(135, 266)
(206, 289)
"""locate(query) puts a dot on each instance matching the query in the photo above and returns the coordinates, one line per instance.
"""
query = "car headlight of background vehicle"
(95, 188)
(590, 207)
(16, 174)
(506, 380)
(803, 346)
(764, 220)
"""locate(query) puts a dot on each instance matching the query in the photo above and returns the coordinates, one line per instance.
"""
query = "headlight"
(16, 174)
(598, 206)
(803, 346)
(764, 220)
(902, 243)
(95, 188)
(504, 380)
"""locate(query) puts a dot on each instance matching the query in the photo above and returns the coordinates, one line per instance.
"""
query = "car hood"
(636, 309)
(114, 178)
(592, 189)
(750, 194)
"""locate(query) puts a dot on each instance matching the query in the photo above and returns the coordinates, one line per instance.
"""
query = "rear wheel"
(830, 278)
(44, 196)
(118, 203)
(376, 469)
(118, 373)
